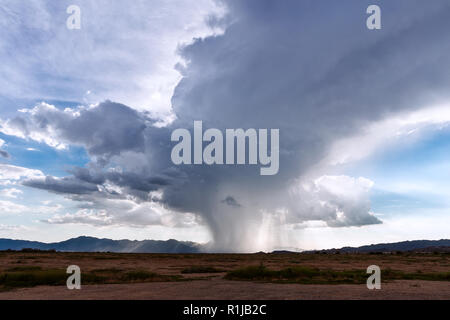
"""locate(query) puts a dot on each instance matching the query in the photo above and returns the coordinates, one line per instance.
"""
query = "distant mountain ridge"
(415, 245)
(91, 244)
(402, 246)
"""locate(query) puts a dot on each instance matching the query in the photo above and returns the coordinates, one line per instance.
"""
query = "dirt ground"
(214, 286)
(218, 289)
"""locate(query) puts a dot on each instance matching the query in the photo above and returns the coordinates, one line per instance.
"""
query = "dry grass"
(22, 269)
(307, 275)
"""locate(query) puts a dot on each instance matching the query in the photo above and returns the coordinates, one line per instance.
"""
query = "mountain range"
(91, 244)
(416, 245)
(442, 245)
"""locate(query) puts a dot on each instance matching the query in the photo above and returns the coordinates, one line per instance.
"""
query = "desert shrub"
(435, 276)
(307, 275)
(24, 268)
(304, 275)
(137, 275)
(32, 278)
(250, 273)
(201, 269)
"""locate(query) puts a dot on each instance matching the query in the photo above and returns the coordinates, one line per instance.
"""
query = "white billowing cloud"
(10, 192)
(126, 213)
(10, 174)
(37, 130)
(47, 124)
(337, 200)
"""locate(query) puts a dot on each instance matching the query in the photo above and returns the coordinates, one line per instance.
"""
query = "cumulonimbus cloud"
(317, 77)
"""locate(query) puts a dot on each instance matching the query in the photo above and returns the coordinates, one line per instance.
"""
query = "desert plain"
(41, 275)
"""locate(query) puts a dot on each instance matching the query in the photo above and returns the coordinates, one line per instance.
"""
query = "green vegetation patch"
(24, 268)
(201, 269)
(306, 275)
(31, 276)
(139, 275)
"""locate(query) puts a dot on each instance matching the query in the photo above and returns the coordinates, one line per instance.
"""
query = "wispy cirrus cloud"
(131, 56)
(11, 207)
(10, 192)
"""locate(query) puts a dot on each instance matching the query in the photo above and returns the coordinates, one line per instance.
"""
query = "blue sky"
(364, 119)
(423, 165)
